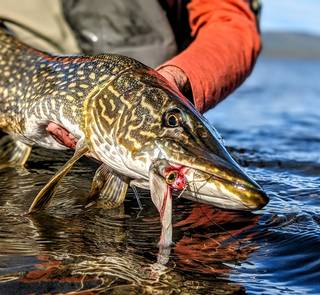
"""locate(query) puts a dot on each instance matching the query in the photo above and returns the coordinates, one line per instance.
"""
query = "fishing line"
(135, 191)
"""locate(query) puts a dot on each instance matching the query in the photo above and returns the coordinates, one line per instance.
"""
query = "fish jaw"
(222, 193)
(215, 180)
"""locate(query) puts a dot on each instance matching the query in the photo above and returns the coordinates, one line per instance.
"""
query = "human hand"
(176, 77)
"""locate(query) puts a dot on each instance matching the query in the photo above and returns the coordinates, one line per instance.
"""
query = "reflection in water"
(217, 242)
(98, 249)
(69, 248)
(76, 250)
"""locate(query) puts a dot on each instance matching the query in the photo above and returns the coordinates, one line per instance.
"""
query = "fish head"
(153, 124)
(200, 165)
(194, 161)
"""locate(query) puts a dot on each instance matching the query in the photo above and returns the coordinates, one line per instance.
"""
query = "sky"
(291, 15)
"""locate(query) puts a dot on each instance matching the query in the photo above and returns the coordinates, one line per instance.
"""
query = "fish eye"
(171, 177)
(172, 118)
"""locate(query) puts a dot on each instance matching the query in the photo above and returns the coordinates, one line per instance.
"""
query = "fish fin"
(13, 152)
(110, 188)
(161, 196)
(43, 198)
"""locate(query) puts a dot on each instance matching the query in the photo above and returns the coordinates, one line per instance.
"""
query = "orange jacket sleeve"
(225, 47)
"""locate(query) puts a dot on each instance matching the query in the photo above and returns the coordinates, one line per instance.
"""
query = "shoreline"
(290, 45)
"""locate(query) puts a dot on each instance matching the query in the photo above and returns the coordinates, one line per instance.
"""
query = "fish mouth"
(223, 193)
(220, 182)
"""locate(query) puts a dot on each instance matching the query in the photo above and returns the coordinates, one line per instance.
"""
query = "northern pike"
(123, 114)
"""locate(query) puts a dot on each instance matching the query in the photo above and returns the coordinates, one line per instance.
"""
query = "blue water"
(271, 126)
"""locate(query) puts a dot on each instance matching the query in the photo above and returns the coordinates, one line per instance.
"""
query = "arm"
(225, 47)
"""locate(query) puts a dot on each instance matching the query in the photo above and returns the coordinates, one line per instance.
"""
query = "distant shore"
(290, 45)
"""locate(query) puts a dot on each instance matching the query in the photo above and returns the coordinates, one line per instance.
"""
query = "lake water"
(271, 126)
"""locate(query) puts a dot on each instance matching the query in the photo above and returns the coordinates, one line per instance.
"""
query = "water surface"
(271, 126)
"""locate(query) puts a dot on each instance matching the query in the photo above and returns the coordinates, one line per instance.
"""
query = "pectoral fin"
(161, 196)
(44, 196)
(110, 188)
(12, 152)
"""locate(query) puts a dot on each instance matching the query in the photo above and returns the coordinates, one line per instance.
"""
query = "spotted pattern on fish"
(37, 84)
(44, 87)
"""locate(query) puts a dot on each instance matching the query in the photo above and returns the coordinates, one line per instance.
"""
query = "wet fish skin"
(125, 115)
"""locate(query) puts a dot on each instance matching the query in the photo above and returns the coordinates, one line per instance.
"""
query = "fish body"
(127, 116)
(37, 89)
